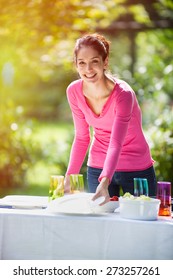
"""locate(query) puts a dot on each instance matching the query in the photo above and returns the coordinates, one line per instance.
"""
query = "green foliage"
(57, 152)
(153, 84)
(154, 68)
(55, 140)
(37, 39)
(160, 135)
(17, 150)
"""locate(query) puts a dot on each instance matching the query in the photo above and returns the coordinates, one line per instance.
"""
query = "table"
(37, 234)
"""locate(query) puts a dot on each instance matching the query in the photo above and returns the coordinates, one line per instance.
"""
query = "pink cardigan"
(118, 142)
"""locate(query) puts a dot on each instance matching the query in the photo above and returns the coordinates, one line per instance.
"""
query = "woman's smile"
(89, 76)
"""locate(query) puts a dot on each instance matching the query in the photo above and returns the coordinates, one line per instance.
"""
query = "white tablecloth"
(38, 234)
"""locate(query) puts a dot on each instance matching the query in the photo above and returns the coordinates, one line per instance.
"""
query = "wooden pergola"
(131, 27)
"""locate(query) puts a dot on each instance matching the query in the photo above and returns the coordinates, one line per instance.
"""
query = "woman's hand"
(102, 190)
(67, 184)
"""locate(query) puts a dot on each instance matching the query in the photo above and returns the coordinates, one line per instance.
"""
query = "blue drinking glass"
(140, 186)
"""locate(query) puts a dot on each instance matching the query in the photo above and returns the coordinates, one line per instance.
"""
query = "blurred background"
(36, 65)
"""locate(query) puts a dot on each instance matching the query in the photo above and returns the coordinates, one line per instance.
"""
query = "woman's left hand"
(102, 190)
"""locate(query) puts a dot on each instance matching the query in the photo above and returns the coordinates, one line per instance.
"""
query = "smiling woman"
(118, 151)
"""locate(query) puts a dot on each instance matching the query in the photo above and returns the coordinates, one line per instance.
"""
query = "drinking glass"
(76, 183)
(140, 186)
(56, 188)
(164, 194)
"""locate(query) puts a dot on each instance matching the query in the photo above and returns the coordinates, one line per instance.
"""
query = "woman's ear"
(106, 62)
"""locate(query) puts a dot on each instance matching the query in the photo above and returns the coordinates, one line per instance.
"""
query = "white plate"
(80, 203)
(24, 202)
(71, 204)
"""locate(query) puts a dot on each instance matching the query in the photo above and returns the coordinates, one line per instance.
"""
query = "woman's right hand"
(102, 191)
(67, 184)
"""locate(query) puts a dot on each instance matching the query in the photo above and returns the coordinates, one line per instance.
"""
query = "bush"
(17, 150)
(57, 154)
(161, 142)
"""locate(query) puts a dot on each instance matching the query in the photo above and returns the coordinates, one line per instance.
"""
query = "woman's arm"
(124, 109)
(81, 139)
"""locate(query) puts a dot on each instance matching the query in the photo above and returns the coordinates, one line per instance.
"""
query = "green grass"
(45, 132)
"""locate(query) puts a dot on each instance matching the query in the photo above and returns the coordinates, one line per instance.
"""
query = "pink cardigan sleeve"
(124, 109)
(81, 139)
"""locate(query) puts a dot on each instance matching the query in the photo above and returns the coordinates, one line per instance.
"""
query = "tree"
(37, 38)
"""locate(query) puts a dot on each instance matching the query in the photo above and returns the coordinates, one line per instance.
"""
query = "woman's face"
(90, 64)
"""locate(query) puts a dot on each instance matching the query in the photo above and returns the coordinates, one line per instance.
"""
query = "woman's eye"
(95, 61)
(81, 63)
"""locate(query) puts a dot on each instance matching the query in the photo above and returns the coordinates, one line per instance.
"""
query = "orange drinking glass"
(164, 194)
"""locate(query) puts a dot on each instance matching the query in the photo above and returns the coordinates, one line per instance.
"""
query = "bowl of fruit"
(139, 208)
